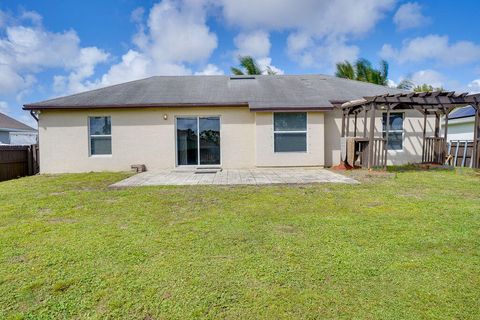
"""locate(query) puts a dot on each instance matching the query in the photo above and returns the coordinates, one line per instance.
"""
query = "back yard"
(399, 245)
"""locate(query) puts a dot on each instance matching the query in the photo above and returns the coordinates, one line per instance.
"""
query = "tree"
(426, 88)
(362, 70)
(249, 66)
(406, 84)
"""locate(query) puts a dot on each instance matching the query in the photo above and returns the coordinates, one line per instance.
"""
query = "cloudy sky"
(54, 48)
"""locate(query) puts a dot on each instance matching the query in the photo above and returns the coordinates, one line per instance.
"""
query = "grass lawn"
(402, 245)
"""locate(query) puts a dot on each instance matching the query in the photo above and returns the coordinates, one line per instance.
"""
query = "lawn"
(403, 245)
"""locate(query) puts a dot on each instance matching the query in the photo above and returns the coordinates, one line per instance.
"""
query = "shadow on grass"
(419, 167)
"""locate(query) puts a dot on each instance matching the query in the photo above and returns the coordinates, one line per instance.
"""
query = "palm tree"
(362, 70)
(249, 66)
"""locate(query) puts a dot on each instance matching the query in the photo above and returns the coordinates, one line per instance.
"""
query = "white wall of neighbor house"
(4, 137)
(460, 129)
(139, 136)
(266, 155)
(412, 135)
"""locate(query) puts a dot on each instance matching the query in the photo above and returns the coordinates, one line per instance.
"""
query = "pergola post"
(436, 155)
(343, 123)
(348, 124)
(476, 134)
(445, 134)
(437, 125)
(371, 135)
(364, 121)
(424, 135)
(355, 125)
(387, 132)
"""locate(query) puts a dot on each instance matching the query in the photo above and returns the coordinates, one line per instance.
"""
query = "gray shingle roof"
(10, 124)
(258, 92)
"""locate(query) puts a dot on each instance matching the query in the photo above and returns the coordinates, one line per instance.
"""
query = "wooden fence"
(460, 153)
(434, 149)
(18, 161)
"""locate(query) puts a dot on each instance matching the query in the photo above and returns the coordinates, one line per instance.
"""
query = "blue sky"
(54, 48)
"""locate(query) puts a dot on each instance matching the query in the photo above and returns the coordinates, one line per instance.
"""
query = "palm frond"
(237, 71)
(345, 70)
(250, 65)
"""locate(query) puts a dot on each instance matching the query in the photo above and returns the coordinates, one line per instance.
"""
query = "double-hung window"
(100, 135)
(395, 132)
(290, 131)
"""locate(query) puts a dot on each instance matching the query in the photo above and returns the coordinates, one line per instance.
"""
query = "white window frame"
(90, 136)
(297, 131)
(396, 131)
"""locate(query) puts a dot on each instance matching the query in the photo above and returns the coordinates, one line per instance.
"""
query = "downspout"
(34, 116)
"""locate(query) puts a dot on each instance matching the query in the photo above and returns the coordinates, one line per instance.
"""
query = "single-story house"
(461, 123)
(16, 132)
(169, 122)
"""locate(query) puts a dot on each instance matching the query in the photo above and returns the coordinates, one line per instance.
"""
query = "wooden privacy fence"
(18, 161)
(460, 153)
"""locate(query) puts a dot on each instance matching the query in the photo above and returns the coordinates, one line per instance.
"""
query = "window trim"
(99, 136)
(296, 131)
(396, 131)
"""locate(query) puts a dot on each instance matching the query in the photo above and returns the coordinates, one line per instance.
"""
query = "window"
(198, 141)
(100, 132)
(395, 135)
(290, 131)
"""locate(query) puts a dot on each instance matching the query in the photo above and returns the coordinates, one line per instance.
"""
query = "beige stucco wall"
(143, 136)
(412, 128)
(265, 155)
(138, 136)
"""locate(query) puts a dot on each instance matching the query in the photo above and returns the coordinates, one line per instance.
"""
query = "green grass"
(402, 245)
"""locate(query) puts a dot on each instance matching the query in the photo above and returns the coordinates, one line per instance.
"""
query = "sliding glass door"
(198, 141)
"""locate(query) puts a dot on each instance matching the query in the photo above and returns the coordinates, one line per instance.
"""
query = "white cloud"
(433, 48)
(474, 86)
(175, 36)
(410, 16)
(3, 107)
(256, 44)
(318, 28)
(26, 50)
(321, 54)
(428, 76)
(265, 65)
(83, 69)
(316, 17)
(210, 70)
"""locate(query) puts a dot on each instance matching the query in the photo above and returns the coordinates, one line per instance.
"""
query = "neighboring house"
(15, 132)
(168, 122)
(461, 123)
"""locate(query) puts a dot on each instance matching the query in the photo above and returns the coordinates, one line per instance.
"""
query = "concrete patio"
(235, 177)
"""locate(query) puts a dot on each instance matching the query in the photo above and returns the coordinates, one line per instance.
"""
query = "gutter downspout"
(34, 116)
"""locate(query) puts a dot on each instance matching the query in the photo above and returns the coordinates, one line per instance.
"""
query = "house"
(168, 122)
(16, 132)
(461, 123)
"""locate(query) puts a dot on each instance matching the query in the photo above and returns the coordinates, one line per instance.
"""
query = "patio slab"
(235, 177)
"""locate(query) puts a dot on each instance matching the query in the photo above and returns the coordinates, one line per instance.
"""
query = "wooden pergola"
(438, 104)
